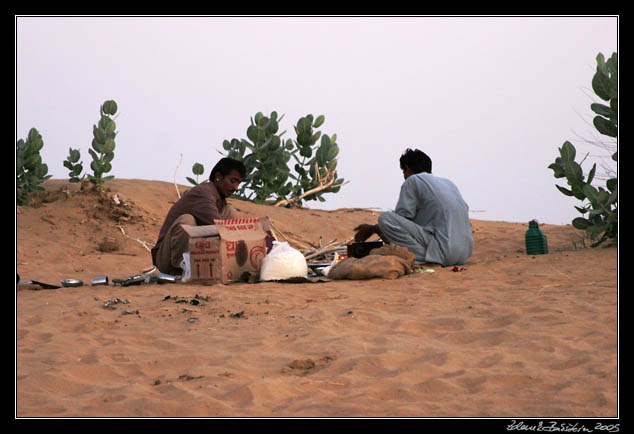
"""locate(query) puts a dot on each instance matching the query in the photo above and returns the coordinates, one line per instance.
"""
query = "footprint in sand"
(472, 384)
(435, 387)
(489, 361)
(486, 338)
(44, 337)
(241, 396)
(570, 363)
(306, 366)
(434, 357)
(502, 321)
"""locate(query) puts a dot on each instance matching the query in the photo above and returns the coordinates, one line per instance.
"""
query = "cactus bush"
(321, 161)
(197, 169)
(73, 164)
(600, 219)
(103, 145)
(30, 170)
(266, 156)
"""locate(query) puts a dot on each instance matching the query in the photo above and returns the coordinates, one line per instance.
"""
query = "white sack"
(283, 262)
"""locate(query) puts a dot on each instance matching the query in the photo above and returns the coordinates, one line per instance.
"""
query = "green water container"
(536, 242)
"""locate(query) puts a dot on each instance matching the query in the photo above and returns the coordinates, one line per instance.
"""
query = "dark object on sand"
(72, 283)
(132, 280)
(535, 240)
(141, 279)
(100, 281)
(35, 285)
(359, 250)
(166, 278)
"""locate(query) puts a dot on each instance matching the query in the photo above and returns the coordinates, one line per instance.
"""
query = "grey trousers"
(176, 242)
(405, 233)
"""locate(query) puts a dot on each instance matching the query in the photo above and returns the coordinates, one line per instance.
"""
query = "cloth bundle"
(388, 262)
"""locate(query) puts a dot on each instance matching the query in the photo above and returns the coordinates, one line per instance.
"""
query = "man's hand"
(365, 231)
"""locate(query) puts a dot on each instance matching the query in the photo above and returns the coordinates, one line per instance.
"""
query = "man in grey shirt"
(431, 218)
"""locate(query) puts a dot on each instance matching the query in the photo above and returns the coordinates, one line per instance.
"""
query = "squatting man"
(431, 219)
(199, 206)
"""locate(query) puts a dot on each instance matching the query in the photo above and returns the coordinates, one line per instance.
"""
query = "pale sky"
(489, 99)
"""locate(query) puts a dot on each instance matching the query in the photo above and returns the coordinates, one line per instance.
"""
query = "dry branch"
(290, 238)
(176, 170)
(322, 184)
(279, 232)
(143, 243)
(329, 248)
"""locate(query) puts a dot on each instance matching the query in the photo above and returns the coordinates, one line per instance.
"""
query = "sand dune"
(510, 336)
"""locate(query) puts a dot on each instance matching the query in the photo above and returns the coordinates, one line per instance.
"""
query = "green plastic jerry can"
(536, 242)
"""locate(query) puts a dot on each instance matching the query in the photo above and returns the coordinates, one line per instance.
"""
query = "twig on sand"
(558, 270)
(279, 232)
(328, 248)
(176, 170)
(548, 286)
(143, 243)
(298, 242)
(289, 238)
(322, 184)
(309, 250)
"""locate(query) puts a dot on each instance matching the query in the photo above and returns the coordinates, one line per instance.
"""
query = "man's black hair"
(225, 166)
(416, 160)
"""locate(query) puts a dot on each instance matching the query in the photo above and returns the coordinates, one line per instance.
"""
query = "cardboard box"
(225, 251)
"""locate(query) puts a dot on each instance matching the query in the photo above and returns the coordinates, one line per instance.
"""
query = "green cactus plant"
(197, 169)
(103, 145)
(266, 156)
(73, 164)
(317, 169)
(600, 219)
(30, 170)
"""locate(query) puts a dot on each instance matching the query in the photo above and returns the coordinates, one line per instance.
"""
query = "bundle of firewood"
(318, 251)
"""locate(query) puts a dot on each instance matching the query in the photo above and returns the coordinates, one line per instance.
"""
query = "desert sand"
(511, 335)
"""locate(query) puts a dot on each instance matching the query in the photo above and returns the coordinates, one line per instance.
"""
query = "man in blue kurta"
(431, 219)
